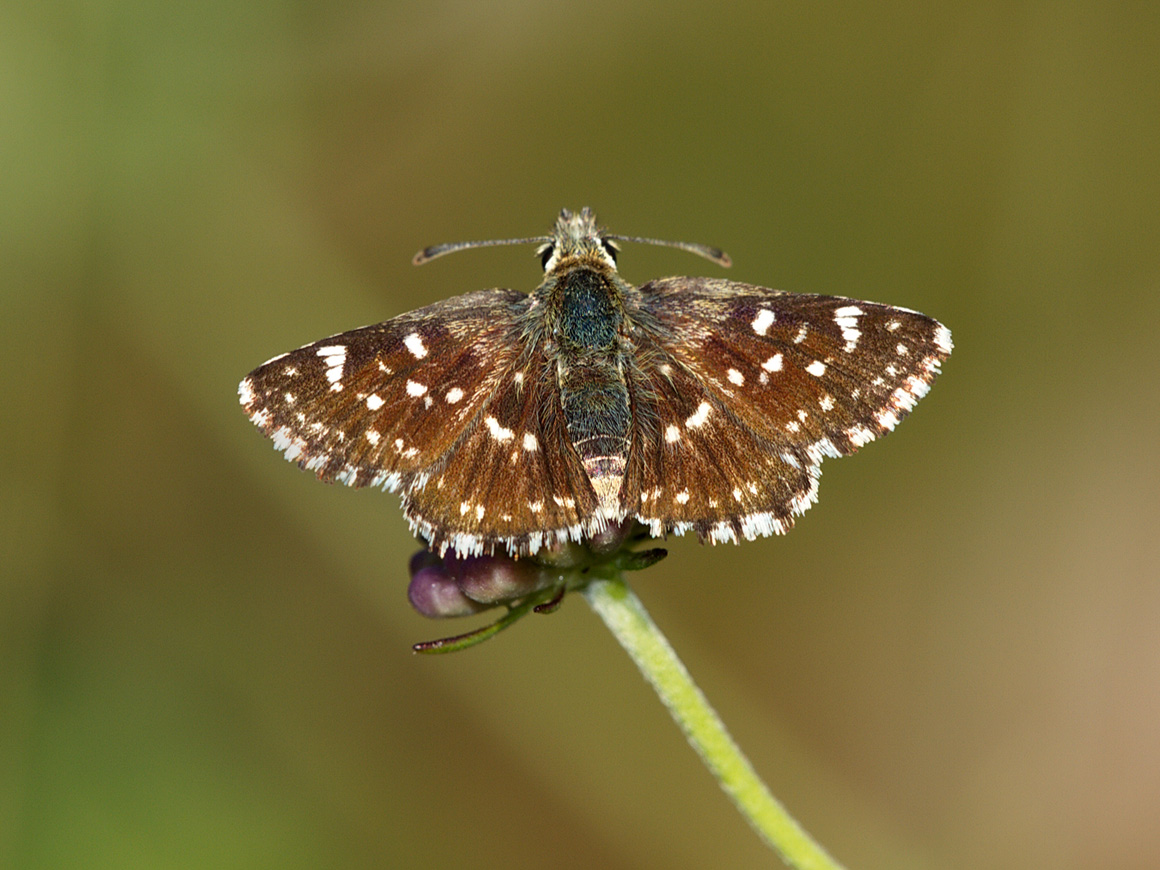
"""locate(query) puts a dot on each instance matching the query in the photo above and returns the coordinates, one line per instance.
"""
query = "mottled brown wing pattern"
(513, 480)
(378, 405)
(444, 405)
(783, 381)
(694, 465)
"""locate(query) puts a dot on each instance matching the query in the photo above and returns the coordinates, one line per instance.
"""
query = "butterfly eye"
(546, 253)
(609, 248)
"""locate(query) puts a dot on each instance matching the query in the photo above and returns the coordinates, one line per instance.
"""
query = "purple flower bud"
(613, 538)
(434, 591)
(495, 579)
(450, 585)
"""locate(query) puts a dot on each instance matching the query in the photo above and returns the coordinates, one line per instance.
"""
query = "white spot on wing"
(373, 436)
(735, 377)
(846, 318)
(454, 395)
(698, 419)
(887, 418)
(818, 451)
(335, 357)
(245, 391)
(672, 434)
(942, 338)
(773, 364)
(414, 343)
(416, 389)
(530, 442)
(817, 368)
(498, 432)
(375, 401)
(763, 321)
(722, 532)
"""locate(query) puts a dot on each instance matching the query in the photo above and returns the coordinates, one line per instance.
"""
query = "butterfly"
(513, 422)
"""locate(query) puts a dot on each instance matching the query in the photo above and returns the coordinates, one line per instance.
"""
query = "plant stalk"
(630, 623)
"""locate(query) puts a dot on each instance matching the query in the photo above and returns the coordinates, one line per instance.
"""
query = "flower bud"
(613, 537)
(495, 579)
(434, 590)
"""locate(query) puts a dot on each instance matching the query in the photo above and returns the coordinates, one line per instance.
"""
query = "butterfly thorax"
(584, 325)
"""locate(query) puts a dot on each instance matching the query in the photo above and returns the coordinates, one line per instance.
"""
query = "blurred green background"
(953, 661)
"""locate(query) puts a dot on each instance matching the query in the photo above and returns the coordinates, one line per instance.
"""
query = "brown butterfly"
(513, 421)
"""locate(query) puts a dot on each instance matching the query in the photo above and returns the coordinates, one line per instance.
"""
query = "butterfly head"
(576, 240)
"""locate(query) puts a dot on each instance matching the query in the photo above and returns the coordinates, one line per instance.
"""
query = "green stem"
(627, 619)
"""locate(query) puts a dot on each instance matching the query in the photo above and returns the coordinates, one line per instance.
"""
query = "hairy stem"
(630, 623)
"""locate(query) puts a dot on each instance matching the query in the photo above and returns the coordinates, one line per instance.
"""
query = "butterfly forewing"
(800, 369)
(378, 405)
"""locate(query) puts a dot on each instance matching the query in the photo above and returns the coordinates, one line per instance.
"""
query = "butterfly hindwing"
(514, 479)
(695, 466)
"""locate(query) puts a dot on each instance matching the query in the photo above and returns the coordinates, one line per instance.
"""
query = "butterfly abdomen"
(595, 402)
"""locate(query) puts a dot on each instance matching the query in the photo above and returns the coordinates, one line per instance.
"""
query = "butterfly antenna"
(709, 253)
(428, 254)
